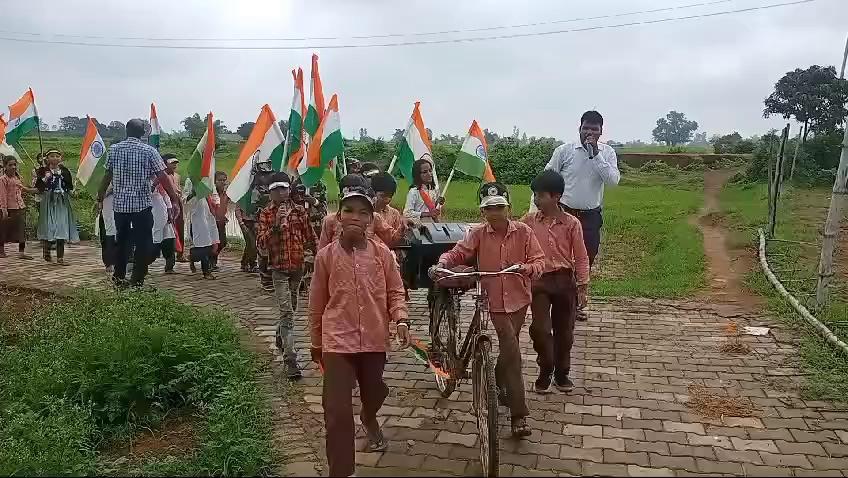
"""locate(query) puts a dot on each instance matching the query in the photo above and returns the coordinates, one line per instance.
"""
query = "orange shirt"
(561, 237)
(494, 252)
(331, 230)
(11, 196)
(353, 297)
(396, 222)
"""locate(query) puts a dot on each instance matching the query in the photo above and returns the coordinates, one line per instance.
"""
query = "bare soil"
(725, 270)
(175, 436)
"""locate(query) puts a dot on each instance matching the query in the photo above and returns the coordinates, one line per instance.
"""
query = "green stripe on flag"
(13, 136)
(469, 164)
(405, 158)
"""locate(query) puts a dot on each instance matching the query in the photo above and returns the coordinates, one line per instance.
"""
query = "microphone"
(590, 149)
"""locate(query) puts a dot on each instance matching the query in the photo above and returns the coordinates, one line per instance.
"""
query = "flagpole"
(37, 123)
(447, 183)
(392, 164)
(20, 145)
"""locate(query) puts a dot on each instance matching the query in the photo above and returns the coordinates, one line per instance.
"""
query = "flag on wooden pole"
(155, 131)
(473, 157)
(295, 145)
(327, 143)
(414, 145)
(92, 165)
(264, 145)
(201, 165)
(23, 117)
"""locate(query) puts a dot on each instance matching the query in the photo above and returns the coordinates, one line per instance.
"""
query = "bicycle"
(476, 349)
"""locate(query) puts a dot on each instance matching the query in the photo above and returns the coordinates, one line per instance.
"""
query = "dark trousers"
(341, 373)
(167, 249)
(222, 241)
(591, 220)
(60, 248)
(265, 278)
(248, 257)
(508, 370)
(108, 246)
(133, 229)
(204, 255)
(554, 312)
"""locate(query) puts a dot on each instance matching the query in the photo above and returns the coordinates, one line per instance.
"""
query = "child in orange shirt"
(12, 207)
(497, 244)
(562, 287)
(356, 291)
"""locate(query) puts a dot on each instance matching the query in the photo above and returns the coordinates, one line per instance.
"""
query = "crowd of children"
(354, 282)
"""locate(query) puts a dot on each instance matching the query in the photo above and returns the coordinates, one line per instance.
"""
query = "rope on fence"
(828, 335)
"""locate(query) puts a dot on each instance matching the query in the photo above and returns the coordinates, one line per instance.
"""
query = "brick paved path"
(633, 363)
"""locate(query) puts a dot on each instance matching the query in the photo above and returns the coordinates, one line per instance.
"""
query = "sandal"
(376, 440)
(25, 257)
(61, 262)
(520, 428)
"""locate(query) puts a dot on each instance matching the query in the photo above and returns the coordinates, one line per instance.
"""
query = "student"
(171, 163)
(562, 287)
(284, 232)
(422, 200)
(56, 220)
(106, 230)
(164, 232)
(331, 227)
(368, 170)
(202, 228)
(12, 207)
(356, 292)
(384, 187)
(495, 245)
(222, 206)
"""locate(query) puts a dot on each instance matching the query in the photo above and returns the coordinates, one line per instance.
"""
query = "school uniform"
(508, 295)
(202, 227)
(164, 232)
(13, 227)
(353, 298)
(56, 219)
(107, 231)
(420, 200)
(554, 294)
(331, 230)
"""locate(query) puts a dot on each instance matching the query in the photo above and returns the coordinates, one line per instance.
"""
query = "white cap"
(279, 184)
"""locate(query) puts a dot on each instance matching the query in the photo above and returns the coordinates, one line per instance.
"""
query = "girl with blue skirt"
(56, 220)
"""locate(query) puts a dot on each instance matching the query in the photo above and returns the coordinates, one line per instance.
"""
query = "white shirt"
(200, 221)
(415, 204)
(162, 229)
(584, 178)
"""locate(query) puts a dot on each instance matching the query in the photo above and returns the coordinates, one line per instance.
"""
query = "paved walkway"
(634, 362)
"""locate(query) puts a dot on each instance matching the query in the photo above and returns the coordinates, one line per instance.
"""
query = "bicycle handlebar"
(449, 274)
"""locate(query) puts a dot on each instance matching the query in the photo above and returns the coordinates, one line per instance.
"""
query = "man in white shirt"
(586, 167)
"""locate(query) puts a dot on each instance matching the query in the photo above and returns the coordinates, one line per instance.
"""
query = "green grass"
(801, 213)
(92, 371)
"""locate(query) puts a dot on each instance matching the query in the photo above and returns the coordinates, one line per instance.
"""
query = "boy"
(356, 291)
(497, 244)
(171, 164)
(562, 287)
(12, 207)
(385, 186)
(221, 215)
(164, 232)
(284, 232)
(331, 227)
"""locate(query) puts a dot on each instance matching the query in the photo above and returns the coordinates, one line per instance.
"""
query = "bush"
(816, 164)
(101, 366)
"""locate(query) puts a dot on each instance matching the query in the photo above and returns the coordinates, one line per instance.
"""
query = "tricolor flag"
(265, 144)
(295, 146)
(23, 117)
(315, 112)
(327, 144)
(415, 145)
(473, 157)
(201, 165)
(155, 131)
(92, 165)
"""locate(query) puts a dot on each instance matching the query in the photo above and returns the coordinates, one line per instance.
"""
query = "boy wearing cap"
(356, 292)
(283, 234)
(562, 287)
(495, 245)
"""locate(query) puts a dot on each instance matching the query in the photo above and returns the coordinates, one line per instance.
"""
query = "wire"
(410, 43)
(387, 35)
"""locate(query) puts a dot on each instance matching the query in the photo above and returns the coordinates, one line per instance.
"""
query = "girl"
(222, 206)
(423, 199)
(202, 228)
(56, 220)
(164, 234)
(12, 207)
(356, 291)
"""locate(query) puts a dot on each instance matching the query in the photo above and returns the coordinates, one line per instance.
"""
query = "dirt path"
(725, 270)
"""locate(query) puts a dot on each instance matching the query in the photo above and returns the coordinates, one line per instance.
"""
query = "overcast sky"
(717, 70)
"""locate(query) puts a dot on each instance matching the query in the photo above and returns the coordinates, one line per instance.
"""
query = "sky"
(717, 70)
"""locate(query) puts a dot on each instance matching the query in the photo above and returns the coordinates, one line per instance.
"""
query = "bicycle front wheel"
(486, 406)
(443, 341)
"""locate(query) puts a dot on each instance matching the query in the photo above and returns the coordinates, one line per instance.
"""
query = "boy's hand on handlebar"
(433, 271)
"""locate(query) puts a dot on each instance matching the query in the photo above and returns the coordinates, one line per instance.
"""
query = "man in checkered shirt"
(130, 168)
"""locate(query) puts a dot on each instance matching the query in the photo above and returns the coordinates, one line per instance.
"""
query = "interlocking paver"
(632, 365)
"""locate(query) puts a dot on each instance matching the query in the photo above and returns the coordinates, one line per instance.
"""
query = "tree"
(815, 97)
(674, 129)
(245, 129)
(398, 135)
(491, 137)
(700, 139)
(116, 129)
(195, 125)
(220, 127)
(284, 127)
(73, 125)
(733, 143)
(363, 133)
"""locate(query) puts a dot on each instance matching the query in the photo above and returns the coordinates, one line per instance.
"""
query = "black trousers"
(108, 246)
(554, 312)
(591, 220)
(133, 228)
(167, 249)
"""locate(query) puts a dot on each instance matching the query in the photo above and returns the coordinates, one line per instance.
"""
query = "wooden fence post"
(795, 156)
(776, 182)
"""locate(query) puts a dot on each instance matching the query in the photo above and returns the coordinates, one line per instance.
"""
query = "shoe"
(582, 316)
(169, 271)
(520, 428)
(563, 383)
(25, 257)
(61, 262)
(376, 440)
(192, 267)
(47, 258)
(209, 276)
(215, 268)
(120, 284)
(543, 384)
(110, 269)
(293, 371)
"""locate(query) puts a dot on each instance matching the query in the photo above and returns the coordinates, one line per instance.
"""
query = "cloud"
(717, 70)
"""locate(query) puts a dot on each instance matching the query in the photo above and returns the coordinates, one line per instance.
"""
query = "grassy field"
(82, 378)
(658, 148)
(801, 215)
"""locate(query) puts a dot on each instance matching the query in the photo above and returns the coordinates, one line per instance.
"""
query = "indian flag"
(473, 157)
(315, 112)
(23, 117)
(415, 145)
(92, 165)
(294, 137)
(201, 165)
(327, 143)
(155, 131)
(264, 144)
